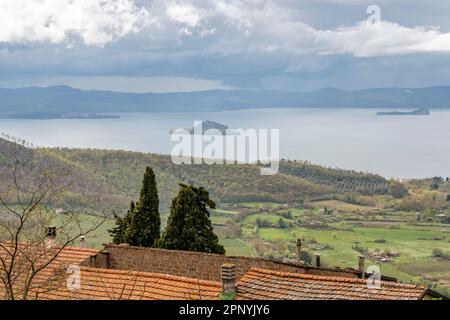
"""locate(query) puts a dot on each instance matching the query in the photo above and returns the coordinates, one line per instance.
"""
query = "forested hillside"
(340, 180)
(296, 181)
(113, 178)
(84, 189)
(227, 183)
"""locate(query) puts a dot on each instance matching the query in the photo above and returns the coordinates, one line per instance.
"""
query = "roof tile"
(261, 284)
(107, 284)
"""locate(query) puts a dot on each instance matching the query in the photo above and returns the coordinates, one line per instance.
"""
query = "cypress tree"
(118, 232)
(144, 226)
(189, 226)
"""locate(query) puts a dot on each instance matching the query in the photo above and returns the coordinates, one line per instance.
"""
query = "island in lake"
(205, 126)
(418, 112)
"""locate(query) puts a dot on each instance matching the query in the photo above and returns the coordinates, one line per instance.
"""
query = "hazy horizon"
(223, 89)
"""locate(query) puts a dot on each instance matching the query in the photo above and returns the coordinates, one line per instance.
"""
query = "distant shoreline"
(67, 100)
(56, 116)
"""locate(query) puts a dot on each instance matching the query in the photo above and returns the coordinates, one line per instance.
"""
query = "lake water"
(393, 146)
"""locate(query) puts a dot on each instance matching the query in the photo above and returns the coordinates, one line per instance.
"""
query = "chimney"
(299, 250)
(50, 236)
(50, 232)
(361, 266)
(318, 260)
(107, 255)
(82, 242)
(228, 274)
(93, 261)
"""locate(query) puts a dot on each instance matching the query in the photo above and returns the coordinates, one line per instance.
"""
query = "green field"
(267, 217)
(343, 206)
(221, 216)
(225, 212)
(255, 204)
(98, 237)
(237, 247)
(404, 241)
(411, 242)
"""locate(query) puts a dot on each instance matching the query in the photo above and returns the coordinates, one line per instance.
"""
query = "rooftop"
(261, 284)
(74, 255)
(108, 284)
(164, 276)
(40, 254)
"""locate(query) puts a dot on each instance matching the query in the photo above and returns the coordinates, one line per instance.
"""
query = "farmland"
(396, 241)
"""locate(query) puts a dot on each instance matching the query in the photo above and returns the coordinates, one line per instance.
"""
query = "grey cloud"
(284, 44)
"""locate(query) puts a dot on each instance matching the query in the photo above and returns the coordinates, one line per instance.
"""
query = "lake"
(393, 146)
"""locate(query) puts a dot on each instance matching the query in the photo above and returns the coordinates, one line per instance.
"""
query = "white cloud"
(230, 26)
(363, 40)
(267, 26)
(95, 22)
(184, 13)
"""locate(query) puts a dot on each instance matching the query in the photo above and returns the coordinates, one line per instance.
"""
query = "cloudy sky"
(187, 45)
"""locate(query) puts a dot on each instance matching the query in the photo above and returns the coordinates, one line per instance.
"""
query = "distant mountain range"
(63, 99)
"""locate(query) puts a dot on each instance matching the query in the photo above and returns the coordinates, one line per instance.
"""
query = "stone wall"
(195, 264)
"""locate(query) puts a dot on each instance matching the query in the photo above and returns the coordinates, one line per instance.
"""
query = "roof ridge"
(82, 249)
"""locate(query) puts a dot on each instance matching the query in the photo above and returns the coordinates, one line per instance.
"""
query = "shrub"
(438, 253)
(397, 190)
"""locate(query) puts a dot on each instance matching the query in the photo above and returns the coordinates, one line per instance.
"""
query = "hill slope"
(116, 176)
(227, 183)
(83, 187)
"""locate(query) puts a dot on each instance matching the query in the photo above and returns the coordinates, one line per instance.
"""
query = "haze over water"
(393, 146)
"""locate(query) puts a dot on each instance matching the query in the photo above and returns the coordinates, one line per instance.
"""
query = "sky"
(192, 45)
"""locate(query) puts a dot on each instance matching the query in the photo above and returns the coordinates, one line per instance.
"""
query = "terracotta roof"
(67, 256)
(104, 284)
(261, 284)
(75, 255)
(53, 269)
(108, 284)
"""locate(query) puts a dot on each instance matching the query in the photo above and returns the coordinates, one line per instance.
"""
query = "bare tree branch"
(28, 265)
